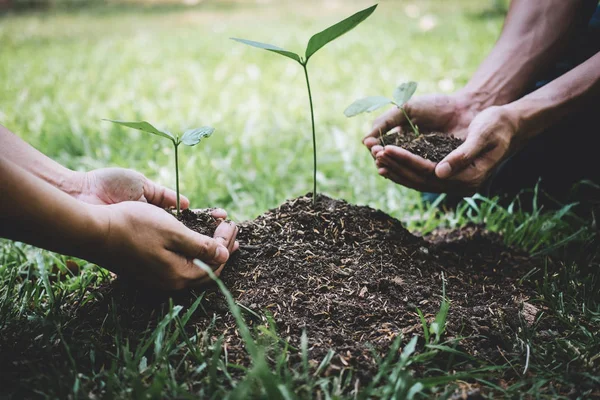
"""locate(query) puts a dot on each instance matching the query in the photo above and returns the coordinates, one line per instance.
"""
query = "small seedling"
(191, 137)
(402, 95)
(315, 43)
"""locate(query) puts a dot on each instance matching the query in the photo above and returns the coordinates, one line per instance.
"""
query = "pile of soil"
(352, 277)
(433, 146)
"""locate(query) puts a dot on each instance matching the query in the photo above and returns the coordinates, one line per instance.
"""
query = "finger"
(459, 159)
(375, 150)
(219, 213)
(203, 278)
(226, 233)
(407, 177)
(162, 197)
(409, 160)
(216, 213)
(194, 245)
(385, 122)
(370, 142)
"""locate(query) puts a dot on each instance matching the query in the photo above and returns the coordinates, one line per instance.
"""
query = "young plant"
(315, 43)
(402, 95)
(191, 137)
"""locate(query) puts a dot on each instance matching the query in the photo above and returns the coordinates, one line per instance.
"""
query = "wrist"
(511, 118)
(71, 182)
(95, 244)
(479, 99)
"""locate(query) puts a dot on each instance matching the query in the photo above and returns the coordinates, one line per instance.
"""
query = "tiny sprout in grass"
(402, 95)
(191, 137)
(315, 43)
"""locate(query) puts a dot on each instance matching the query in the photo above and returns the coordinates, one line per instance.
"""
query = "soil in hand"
(433, 146)
(200, 221)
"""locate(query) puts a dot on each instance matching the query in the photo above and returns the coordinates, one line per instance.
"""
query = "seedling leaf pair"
(318, 40)
(191, 137)
(315, 43)
(402, 95)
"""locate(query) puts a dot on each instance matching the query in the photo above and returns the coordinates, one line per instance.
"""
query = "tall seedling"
(314, 44)
(191, 137)
(402, 94)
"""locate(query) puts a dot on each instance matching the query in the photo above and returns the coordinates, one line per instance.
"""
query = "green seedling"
(402, 95)
(315, 43)
(191, 137)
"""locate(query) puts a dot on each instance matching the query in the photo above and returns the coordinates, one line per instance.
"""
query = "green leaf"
(144, 127)
(270, 47)
(367, 104)
(333, 32)
(404, 92)
(192, 137)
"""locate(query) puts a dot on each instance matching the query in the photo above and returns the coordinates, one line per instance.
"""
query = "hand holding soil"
(436, 161)
(148, 245)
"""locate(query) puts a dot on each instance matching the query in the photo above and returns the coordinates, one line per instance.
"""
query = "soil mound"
(351, 276)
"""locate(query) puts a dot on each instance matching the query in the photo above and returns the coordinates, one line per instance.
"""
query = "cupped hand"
(150, 246)
(450, 114)
(489, 139)
(114, 185)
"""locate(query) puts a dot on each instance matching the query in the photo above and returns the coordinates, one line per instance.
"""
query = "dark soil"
(350, 276)
(200, 221)
(433, 146)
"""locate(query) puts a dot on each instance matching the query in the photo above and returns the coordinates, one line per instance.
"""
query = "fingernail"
(221, 255)
(443, 170)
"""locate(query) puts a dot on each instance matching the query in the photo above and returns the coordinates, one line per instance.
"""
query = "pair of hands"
(488, 137)
(145, 242)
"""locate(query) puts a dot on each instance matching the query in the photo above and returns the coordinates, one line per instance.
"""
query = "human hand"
(149, 245)
(450, 114)
(106, 186)
(489, 140)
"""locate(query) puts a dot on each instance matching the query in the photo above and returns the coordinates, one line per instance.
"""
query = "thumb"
(194, 245)
(458, 159)
(160, 196)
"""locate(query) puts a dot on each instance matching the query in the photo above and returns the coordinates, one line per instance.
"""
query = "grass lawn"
(61, 72)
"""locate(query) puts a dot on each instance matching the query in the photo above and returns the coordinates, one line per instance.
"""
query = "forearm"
(35, 212)
(534, 35)
(576, 90)
(17, 151)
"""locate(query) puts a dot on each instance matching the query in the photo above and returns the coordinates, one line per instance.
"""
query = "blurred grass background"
(67, 65)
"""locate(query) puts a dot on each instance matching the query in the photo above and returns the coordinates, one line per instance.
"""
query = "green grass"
(62, 72)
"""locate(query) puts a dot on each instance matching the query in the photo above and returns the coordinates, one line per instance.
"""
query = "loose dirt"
(433, 146)
(350, 276)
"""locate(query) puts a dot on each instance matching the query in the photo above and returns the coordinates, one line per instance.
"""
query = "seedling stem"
(414, 127)
(177, 173)
(314, 135)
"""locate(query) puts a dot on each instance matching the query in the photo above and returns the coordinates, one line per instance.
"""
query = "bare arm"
(129, 238)
(535, 34)
(35, 212)
(576, 90)
(101, 186)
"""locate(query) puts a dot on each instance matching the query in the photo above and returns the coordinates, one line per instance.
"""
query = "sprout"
(191, 137)
(314, 44)
(402, 95)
